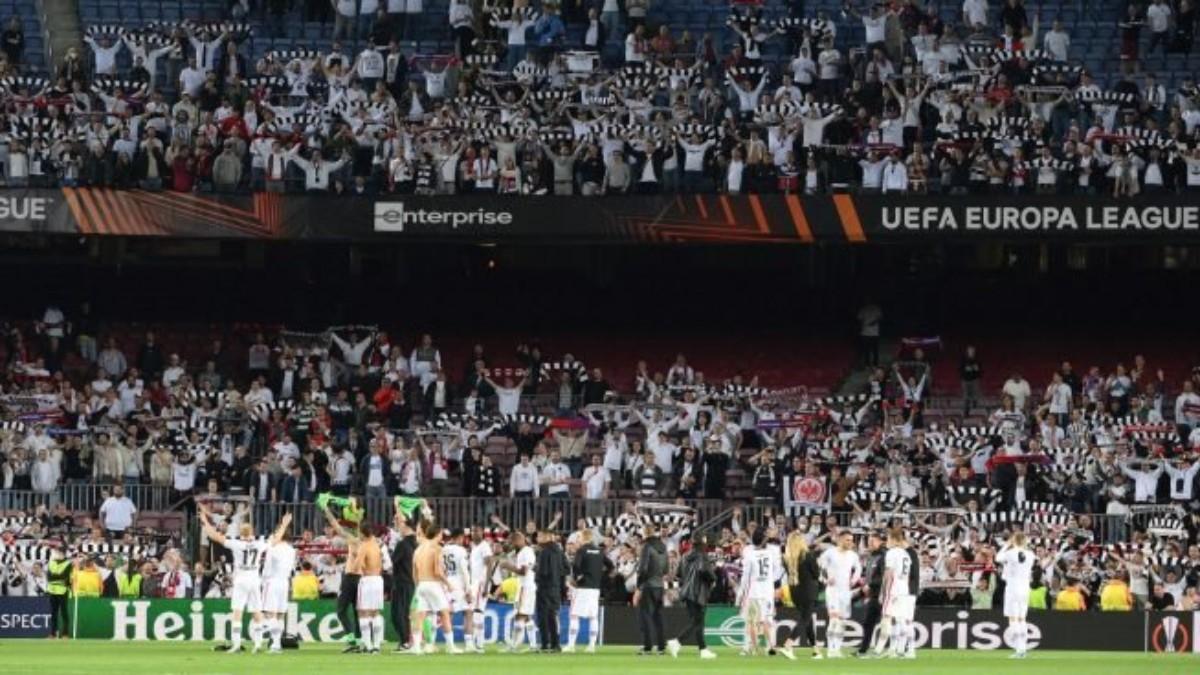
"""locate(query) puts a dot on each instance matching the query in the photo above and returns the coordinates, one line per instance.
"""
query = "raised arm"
(209, 531)
(337, 527)
(280, 531)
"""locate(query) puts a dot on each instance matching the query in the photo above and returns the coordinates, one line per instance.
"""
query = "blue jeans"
(516, 54)
(612, 24)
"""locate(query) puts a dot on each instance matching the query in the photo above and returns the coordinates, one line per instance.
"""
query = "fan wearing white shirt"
(596, 479)
(872, 172)
(874, 24)
(105, 52)
(1158, 16)
(524, 481)
(556, 477)
(975, 14)
(1057, 42)
(316, 171)
(895, 176)
(508, 396)
(1058, 399)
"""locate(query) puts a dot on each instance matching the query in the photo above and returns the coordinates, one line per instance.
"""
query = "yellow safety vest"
(129, 586)
(58, 577)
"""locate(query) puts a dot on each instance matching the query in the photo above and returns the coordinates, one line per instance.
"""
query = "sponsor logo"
(1170, 635)
(199, 621)
(24, 621)
(960, 633)
(393, 217)
(24, 208)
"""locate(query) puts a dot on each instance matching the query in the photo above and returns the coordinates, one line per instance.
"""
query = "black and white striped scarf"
(960, 494)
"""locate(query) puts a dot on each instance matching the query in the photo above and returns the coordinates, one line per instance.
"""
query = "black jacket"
(552, 570)
(652, 564)
(873, 572)
(588, 567)
(696, 577)
(807, 579)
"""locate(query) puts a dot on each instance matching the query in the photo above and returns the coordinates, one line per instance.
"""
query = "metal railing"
(455, 512)
(466, 512)
(87, 497)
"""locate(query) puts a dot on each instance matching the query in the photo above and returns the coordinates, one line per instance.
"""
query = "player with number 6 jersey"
(1017, 563)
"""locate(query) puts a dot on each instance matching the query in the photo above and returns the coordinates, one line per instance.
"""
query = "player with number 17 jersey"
(247, 579)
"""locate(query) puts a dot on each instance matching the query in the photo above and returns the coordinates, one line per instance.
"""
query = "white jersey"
(480, 554)
(761, 568)
(280, 562)
(898, 562)
(1018, 567)
(247, 555)
(842, 569)
(528, 559)
(454, 558)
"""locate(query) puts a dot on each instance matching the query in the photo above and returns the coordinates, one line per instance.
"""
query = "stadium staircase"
(63, 29)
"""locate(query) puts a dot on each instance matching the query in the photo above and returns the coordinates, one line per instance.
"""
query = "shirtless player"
(370, 588)
(348, 593)
(433, 589)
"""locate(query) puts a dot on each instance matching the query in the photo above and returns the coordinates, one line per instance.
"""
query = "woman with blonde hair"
(802, 577)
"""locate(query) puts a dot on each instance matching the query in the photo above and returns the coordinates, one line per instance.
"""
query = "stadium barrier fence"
(316, 621)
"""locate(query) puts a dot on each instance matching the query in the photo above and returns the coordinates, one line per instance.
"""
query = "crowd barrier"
(316, 621)
(88, 497)
(712, 514)
(470, 511)
(767, 218)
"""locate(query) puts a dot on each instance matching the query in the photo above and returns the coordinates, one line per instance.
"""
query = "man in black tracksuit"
(652, 565)
(696, 579)
(873, 576)
(551, 572)
(403, 585)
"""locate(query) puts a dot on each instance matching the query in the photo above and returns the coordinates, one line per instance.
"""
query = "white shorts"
(478, 597)
(275, 595)
(585, 603)
(458, 598)
(758, 609)
(370, 594)
(837, 601)
(431, 597)
(900, 607)
(527, 599)
(247, 594)
(1016, 602)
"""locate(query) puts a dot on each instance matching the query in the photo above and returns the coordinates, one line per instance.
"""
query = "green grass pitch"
(163, 658)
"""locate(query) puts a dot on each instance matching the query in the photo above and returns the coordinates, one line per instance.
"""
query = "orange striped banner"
(851, 225)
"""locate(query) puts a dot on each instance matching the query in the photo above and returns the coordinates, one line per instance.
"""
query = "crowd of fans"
(349, 411)
(990, 104)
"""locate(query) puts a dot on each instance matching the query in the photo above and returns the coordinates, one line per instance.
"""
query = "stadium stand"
(710, 98)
